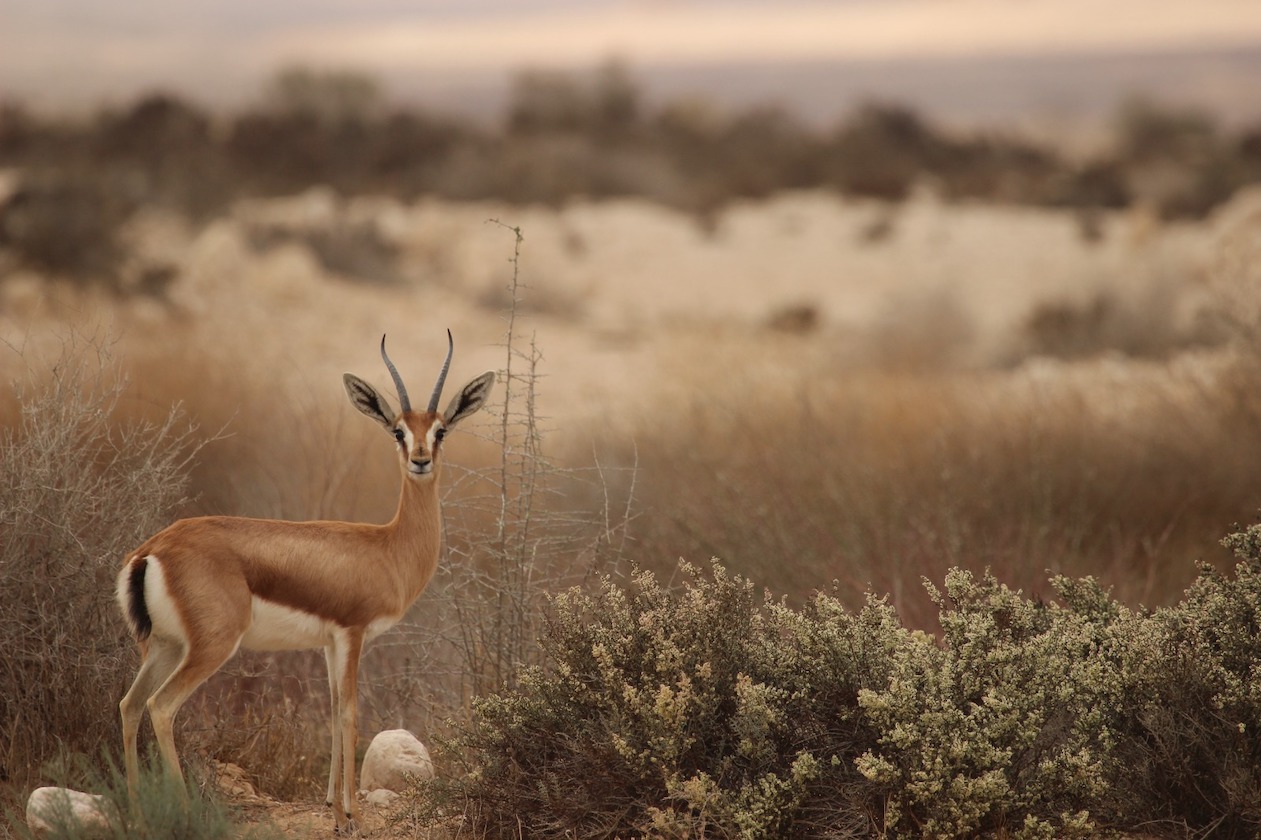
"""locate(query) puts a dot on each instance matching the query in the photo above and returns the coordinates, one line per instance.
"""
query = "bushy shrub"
(707, 711)
(1187, 727)
(80, 484)
(1000, 727)
(669, 714)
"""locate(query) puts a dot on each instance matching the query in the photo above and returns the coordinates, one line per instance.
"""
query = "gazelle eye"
(439, 434)
(398, 435)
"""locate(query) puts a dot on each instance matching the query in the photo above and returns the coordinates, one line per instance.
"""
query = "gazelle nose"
(420, 466)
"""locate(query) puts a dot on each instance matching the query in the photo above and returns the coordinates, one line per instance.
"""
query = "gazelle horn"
(442, 375)
(398, 380)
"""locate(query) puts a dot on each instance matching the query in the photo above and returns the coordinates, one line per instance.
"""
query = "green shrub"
(708, 711)
(1001, 726)
(1188, 752)
(669, 714)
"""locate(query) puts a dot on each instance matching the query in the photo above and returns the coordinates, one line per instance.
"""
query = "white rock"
(381, 798)
(393, 757)
(47, 805)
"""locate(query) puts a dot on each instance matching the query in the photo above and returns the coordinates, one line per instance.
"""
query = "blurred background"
(841, 293)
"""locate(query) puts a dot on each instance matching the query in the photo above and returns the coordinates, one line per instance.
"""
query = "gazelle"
(200, 589)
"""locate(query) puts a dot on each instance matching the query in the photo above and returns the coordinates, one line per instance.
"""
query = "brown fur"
(347, 573)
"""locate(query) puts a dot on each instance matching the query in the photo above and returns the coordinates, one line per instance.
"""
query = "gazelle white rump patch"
(157, 598)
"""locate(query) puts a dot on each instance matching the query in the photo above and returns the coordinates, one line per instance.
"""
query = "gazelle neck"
(416, 529)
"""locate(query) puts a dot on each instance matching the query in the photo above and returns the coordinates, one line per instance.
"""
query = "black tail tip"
(137, 610)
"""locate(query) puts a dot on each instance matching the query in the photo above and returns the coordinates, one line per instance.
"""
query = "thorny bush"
(708, 711)
(80, 484)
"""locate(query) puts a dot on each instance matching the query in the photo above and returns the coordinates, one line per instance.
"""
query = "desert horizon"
(1062, 65)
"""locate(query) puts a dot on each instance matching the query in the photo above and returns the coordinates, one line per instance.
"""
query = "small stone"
(381, 798)
(393, 758)
(48, 806)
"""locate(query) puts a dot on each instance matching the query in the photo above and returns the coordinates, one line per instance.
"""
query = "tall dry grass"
(1129, 472)
(290, 449)
(81, 483)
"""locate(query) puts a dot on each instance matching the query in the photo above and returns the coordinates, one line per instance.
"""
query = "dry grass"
(82, 483)
(793, 475)
(879, 480)
(287, 450)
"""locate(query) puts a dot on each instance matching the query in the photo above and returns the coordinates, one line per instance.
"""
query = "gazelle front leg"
(347, 648)
(335, 724)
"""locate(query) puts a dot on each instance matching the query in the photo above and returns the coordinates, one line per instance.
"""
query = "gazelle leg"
(160, 659)
(347, 649)
(334, 717)
(198, 664)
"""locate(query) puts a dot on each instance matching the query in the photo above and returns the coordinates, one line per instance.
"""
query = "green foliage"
(1192, 710)
(667, 713)
(999, 727)
(708, 711)
(164, 808)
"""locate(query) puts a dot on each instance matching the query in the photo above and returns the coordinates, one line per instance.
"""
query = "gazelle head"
(419, 434)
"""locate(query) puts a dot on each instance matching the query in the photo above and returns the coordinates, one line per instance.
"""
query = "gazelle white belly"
(277, 627)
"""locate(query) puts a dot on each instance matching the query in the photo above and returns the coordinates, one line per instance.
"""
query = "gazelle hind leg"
(161, 658)
(198, 664)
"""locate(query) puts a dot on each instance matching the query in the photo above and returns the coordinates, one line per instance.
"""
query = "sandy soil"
(299, 819)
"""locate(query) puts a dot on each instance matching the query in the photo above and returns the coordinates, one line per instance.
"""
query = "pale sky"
(51, 49)
(578, 34)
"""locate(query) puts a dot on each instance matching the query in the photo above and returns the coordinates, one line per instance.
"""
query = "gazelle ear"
(471, 397)
(365, 398)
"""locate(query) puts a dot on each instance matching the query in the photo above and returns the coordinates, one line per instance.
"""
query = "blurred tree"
(17, 128)
(607, 105)
(1146, 130)
(158, 123)
(162, 150)
(331, 97)
(881, 150)
(545, 100)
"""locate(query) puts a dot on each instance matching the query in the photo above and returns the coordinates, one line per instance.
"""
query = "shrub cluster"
(80, 484)
(708, 711)
(562, 137)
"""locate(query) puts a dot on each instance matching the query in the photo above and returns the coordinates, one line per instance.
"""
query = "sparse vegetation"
(563, 137)
(163, 809)
(81, 484)
(706, 711)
